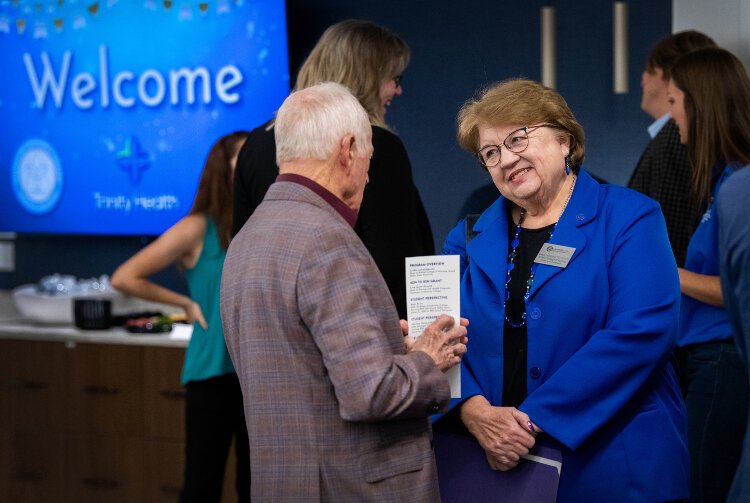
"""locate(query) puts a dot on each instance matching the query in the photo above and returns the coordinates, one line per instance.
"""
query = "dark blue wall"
(457, 47)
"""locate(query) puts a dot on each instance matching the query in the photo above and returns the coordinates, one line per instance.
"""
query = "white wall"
(726, 21)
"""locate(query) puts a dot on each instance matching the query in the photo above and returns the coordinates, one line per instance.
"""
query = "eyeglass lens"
(516, 142)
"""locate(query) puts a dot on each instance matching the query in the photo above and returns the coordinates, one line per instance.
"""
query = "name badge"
(555, 255)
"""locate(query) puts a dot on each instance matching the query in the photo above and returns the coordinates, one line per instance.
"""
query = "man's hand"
(443, 341)
(408, 341)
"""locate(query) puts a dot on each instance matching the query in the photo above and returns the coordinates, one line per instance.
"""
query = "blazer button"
(535, 372)
(535, 313)
(435, 407)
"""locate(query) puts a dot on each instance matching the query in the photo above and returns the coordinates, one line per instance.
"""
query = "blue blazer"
(600, 335)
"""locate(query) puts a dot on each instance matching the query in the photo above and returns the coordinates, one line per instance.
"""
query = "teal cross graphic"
(133, 159)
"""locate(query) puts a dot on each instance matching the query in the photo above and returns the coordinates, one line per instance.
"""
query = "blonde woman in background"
(392, 223)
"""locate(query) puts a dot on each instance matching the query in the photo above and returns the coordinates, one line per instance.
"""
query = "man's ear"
(346, 150)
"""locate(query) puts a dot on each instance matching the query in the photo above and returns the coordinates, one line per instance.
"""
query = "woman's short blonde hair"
(523, 102)
(360, 55)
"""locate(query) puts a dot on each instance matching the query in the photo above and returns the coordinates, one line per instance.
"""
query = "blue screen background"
(127, 170)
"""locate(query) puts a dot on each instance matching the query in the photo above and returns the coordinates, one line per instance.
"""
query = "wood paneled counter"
(21, 330)
(91, 415)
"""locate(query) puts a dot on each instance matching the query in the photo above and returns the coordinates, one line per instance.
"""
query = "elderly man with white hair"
(336, 402)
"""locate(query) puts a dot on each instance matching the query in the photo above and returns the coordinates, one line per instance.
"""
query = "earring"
(567, 165)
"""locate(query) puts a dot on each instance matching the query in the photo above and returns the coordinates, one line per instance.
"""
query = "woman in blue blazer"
(573, 296)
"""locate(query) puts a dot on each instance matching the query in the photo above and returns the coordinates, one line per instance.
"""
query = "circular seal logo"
(37, 177)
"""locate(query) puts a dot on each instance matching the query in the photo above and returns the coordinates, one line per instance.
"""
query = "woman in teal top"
(207, 355)
(710, 96)
(214, 413)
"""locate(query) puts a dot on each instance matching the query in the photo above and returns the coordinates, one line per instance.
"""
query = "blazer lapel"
(582, 208)
(565, 235)
(489, 248)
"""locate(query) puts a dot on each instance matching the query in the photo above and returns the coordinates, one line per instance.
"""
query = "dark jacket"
(663, 173)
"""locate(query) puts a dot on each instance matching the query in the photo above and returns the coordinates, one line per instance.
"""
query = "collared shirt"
(656, 126)
(349, 214)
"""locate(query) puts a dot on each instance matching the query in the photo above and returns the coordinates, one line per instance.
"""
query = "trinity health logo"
(37, 176)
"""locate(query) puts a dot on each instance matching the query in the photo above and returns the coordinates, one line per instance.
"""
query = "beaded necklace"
(511, 262)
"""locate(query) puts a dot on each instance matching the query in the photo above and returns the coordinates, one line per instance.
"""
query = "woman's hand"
(505, 433)
(194, 313)
(180, 243)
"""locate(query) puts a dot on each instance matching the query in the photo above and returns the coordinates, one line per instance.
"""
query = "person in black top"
(663, 172)
(392, 221)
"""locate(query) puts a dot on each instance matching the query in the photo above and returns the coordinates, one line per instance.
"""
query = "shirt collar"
(656, 126)
(346, 212)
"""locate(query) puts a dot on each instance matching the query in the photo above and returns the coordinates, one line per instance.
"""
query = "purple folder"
(465, 475)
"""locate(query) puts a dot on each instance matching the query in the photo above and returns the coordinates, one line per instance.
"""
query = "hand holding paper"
(444, 341)
(433, 289)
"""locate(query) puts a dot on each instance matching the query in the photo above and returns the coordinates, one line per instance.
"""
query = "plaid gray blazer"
(335, 409)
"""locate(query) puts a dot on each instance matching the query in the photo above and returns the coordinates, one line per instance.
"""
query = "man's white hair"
(312, 121)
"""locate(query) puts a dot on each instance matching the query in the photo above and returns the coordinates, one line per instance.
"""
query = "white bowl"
(45, 308)
(58, 309)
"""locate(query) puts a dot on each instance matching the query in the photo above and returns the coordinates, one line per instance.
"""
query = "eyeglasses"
(397, 80)
(517, 141)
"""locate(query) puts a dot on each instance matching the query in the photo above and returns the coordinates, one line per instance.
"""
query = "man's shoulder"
(293, 194)
(669, 135)
(665, 154)
(285, 228)
(292, 210)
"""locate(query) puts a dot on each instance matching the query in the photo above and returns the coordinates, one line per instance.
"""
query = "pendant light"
(548, 46)
(620, 47)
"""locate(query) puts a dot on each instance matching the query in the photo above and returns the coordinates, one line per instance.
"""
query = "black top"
(392, 221)
(530, 241)
(664, 174)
